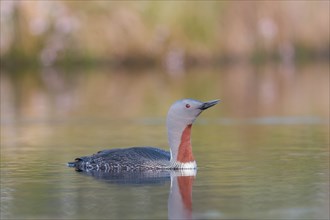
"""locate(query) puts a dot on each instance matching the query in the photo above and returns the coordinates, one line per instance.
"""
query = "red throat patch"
(185, 151)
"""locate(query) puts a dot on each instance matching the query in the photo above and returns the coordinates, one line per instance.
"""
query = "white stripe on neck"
(188, 165)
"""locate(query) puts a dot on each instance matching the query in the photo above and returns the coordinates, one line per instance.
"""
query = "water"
(256, 158)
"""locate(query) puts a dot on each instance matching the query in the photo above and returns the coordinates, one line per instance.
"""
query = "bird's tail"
(75, 163)
(72, 164)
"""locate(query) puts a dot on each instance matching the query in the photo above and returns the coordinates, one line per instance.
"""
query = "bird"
(180, 119)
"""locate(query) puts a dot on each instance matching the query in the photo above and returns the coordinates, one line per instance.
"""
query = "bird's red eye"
(187, 106)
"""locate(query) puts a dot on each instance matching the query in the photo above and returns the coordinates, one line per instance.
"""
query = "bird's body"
(180, 118)
(133, 158)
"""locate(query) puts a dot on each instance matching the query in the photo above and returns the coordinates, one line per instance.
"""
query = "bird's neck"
(185, 154)
(179, 137)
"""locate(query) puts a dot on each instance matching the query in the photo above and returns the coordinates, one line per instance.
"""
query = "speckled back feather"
(134, 158)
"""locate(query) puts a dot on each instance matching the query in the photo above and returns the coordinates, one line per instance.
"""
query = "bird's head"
(185, 111)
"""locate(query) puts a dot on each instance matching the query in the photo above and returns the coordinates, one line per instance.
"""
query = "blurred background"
(167, 33)
(81, 76)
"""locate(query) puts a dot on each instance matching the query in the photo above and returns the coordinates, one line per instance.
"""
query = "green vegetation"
(158, 32)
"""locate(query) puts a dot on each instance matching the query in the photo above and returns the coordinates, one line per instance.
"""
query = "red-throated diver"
(180, 118)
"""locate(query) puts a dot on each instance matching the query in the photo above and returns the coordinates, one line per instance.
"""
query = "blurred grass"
(152, 32)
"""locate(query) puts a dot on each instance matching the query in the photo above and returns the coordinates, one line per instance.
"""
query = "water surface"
(261, 153)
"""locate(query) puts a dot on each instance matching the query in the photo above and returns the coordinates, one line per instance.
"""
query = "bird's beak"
(208, 104)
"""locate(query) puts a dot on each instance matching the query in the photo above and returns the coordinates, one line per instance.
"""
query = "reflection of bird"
(180, 197)
(180, 118)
